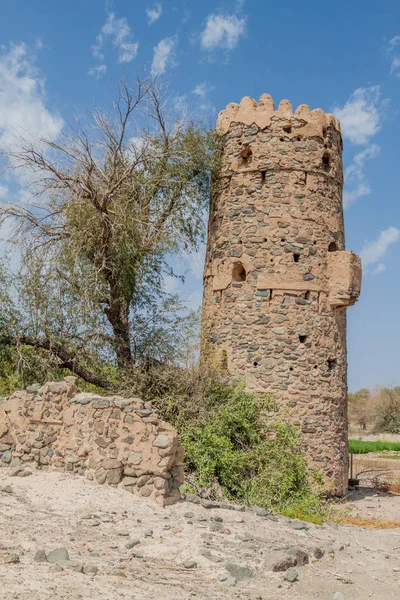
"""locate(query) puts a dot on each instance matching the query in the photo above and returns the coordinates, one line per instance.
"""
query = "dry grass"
(369, 523)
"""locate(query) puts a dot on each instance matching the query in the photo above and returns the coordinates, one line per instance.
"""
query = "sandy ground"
(94, 523)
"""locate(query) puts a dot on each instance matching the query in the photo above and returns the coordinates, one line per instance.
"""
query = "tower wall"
(277, 278)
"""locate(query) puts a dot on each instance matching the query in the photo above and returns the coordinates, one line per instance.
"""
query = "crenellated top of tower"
(305, 121)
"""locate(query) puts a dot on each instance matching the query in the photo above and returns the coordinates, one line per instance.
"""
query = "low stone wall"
(113, 440)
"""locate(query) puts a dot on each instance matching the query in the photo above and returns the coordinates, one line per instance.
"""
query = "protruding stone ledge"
(113, 440)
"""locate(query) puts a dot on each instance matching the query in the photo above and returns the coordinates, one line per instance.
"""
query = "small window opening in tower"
(331, 363)
(246, 152)
(287, 129)
(296, 257)
(239, 272)
(326, 160)
(332, 247)
(303, 339)
(224, 361)
(263, 174)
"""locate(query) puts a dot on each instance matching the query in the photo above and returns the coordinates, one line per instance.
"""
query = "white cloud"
(393, 42)
(120, 33)
(197, 263)
(23, 111)
(395, 66)
(164, 56)
(374, 252)
(394, 57)
(171, 284)
(354, 176)
(361, 115)
(201, 90)
(153, 14)
(222, 31)
(98, 71)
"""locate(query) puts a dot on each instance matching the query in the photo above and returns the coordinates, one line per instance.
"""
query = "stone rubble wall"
(111, 440)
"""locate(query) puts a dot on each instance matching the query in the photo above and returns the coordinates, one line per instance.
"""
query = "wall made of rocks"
(111, 440)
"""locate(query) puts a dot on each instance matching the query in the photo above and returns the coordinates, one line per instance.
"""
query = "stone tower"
(277, 278)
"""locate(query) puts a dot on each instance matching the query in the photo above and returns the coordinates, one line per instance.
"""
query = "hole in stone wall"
(283, 240)
(246, 152)
(307, 296)
(332, 247)
(331, 363)
(296, 257)
(224, 360)
(240, 242)
(263, 174)
(303, 339)
(281, 140)
(255, 363)
(299, 139)
(324, 132)
(326, 160)
(265, 240)
(287, 129)
(239, 272)
(291, 369)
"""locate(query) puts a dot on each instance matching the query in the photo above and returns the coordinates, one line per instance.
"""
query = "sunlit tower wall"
(277, 278)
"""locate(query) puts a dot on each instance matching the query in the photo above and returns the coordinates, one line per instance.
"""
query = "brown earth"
(49, 510)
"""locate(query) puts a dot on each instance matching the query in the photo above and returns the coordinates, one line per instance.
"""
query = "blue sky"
(58, 59)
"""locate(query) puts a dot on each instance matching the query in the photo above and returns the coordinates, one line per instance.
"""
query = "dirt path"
(183, 551)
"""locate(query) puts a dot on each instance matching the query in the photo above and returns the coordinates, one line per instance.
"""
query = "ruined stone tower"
(277, 278)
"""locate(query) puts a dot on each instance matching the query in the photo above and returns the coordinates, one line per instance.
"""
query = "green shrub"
(243, 454)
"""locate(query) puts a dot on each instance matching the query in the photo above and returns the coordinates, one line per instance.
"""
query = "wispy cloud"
(361, 118)
(373, 253)
(222, 31)
(98, 72)
(23, 110)
(153, 14)
(362, 114)
(394, 55)
(120, 34)
(201, 90)
(164, 55)
(355, 177)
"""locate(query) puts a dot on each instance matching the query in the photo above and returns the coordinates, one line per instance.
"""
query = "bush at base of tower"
(240, 455)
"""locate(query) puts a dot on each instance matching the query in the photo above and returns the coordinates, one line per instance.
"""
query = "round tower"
(277, 278)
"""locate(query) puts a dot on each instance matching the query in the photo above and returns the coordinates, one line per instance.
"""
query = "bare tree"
(110, 205)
